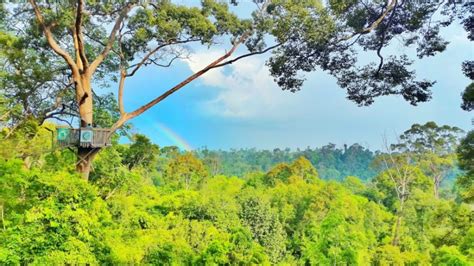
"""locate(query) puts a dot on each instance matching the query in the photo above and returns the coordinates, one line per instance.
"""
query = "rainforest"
(257, 132)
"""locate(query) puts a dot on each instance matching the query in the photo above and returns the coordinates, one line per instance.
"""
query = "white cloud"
(319, 113)
(245, 89)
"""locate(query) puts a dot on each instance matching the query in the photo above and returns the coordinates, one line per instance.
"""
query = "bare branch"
(167, 64)
(163, 96)
(247, 55)
(63, 120)
(98, 41)
(145, 58)
(137, 66)
(53, 115)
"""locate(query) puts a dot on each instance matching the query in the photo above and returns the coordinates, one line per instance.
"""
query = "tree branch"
(98, 41)
(123, 75)
(62, 120)
(167, 64)
(52, 42)
(380, 19)
(149, 54)
(163, 96)
(78, 33)
(145, 58)
(100, 58)
(382, 39)
(247, 55)
(375, 24)
(60, 112)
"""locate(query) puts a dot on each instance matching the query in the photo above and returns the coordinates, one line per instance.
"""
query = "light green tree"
(185, 171)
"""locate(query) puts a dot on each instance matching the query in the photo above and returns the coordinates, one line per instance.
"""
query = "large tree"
(433, 148)
(397, 183)
(466, 163)
(81, 43)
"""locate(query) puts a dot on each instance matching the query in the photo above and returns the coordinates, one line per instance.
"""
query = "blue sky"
(240, 106)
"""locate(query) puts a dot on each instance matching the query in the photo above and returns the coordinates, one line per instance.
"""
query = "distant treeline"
(330, 161)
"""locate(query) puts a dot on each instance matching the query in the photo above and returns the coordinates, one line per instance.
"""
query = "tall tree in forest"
(399, 179)
(433, 147)
(468, 68)
(88, 41)
(400, 176)
(466, 162)
(141, 152)
(185, 171)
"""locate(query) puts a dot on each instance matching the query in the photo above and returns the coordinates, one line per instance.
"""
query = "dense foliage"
(331, 162)
(150, 205)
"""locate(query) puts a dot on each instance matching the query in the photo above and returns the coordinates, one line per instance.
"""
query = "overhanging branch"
(247, 55)
(137, 66)
(374, 24)
(127, 116)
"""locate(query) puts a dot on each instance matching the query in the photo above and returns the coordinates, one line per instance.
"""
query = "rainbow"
(173, 137)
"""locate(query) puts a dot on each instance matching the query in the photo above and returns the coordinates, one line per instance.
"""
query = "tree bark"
(85, 155)
(437, 182)
(396, 233)
(2, 217)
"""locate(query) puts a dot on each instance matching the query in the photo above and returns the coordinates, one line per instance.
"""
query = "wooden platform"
(83, 137)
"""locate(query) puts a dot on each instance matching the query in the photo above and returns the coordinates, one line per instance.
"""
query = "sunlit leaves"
(185, 171)
(286, 216)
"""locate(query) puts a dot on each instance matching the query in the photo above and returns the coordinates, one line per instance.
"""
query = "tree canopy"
(57, 43)
(149, 205)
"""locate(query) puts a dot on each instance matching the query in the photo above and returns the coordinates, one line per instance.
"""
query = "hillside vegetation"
(150, 205)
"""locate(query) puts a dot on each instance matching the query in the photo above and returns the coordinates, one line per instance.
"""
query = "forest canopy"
(134, 202)
(146, 204)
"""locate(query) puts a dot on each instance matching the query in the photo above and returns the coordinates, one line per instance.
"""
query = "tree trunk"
(396, 233)
(2, 217)
(437, 183)
(84, 99)
(85, 156)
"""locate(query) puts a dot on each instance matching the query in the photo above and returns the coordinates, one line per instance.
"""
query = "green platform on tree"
(86, 137)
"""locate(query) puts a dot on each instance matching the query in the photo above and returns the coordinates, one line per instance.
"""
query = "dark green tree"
(466, 162)
(142, 152)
